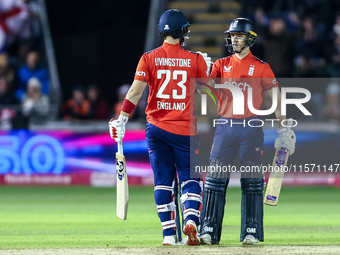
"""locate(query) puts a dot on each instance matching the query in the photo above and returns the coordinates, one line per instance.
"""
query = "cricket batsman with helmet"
(233, 139)
(171, 123)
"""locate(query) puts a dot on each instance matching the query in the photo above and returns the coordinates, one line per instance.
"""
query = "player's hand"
(117, 128)
(287, 139)
(207, 61)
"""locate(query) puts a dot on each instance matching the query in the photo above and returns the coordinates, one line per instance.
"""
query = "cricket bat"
(273, 189)
(280, 160)
(122, 186)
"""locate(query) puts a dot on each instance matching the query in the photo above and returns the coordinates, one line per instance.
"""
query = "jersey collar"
(249, 56)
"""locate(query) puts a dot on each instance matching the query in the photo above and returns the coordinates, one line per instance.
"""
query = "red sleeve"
(202, 67)
(268, 78)
(142, 70)
(215, 73)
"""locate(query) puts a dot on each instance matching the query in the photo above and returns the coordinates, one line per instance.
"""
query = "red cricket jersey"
(243, 73)
(171, 103)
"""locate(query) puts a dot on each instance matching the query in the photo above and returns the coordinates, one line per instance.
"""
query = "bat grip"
(289, 123)
(120, 147)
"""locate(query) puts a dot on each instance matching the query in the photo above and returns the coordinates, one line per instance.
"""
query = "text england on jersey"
(170, 106)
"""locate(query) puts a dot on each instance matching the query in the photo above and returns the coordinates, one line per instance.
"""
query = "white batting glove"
(207, 61)
(287, 139)
(117, 128)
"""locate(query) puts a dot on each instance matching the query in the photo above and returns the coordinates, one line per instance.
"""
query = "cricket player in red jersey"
(171, 124)
(240, 135)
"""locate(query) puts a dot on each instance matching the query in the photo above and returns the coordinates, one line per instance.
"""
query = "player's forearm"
(133, 96)
(279, 115)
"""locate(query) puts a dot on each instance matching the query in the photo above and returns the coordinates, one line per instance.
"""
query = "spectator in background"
(309, 44)
(99, 108)
(34, 11)
(6, 71)
(260, 18)
(35, 103)
(77, 107)
(332, 108)
(6, 97)
(293, 21)
(278, 47)
(336, 26)
(29, 70)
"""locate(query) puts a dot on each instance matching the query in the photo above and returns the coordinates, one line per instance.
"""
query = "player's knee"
(217, 170)
(163, 194)
(191, 186)
(250, 169)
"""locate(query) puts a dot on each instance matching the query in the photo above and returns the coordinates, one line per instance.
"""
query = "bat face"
(281, 157)
(275, 179)
(122, 188)
(120, 169)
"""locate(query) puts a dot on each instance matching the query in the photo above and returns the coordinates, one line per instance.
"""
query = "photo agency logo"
(204, 97)
(238, 91)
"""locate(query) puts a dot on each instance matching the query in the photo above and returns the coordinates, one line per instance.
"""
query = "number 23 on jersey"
(177, 75)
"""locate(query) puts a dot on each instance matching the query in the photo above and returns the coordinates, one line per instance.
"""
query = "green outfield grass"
(84, 217)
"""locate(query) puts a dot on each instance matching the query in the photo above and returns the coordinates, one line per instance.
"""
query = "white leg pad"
(189, 211)
(169, 224)
(191, 196)
(166, 207)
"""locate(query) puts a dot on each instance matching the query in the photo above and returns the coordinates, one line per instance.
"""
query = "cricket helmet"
(174, 23)
(242, 26)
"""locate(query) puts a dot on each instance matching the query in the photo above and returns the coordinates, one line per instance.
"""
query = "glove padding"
(287, 139)
(207, 61)
(117, 128)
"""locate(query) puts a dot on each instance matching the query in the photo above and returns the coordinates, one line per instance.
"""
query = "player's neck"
(243, 53)
(171, 40)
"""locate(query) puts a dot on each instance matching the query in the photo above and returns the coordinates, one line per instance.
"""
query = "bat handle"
(289, 123)
(120, 147)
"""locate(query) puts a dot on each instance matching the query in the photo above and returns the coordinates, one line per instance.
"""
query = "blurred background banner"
(69, 158)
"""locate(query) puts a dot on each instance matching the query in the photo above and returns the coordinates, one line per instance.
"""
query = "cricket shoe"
(190, 230)
(169, 240)
(249, 240)
(205, 239)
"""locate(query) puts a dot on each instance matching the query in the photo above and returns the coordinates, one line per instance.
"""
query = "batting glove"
(117, 128)
(207, 61)
(287, 139)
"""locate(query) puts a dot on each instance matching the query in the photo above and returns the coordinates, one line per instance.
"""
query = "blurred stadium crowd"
(298, 38)
(301, 39)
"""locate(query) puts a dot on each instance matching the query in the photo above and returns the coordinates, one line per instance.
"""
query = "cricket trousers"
(170, 153)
